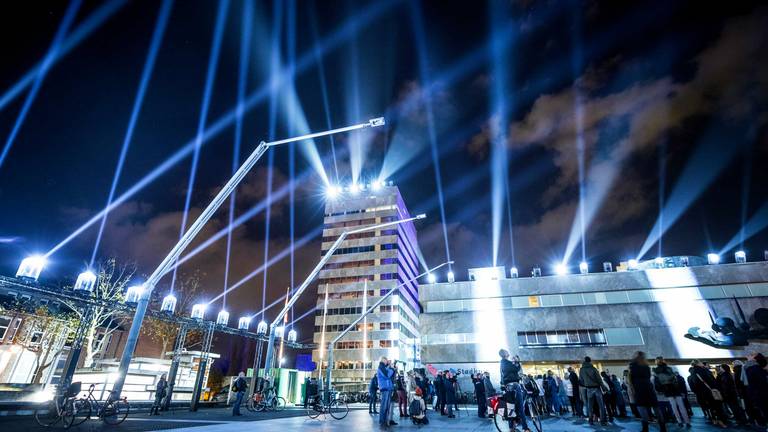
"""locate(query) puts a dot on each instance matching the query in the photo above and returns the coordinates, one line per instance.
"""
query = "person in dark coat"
(757, 383)
(160, 391)
(644, 392)
(449, 382)
(621, 406)
(667, 384)
(707, 382)
(440, 392)
(573, 377)
(239, 388)
(478, 382)
(730, 396)
(373, 387)
(590, 379)
(489, 390)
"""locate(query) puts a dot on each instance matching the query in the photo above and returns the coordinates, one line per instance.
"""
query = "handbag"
(716, 395)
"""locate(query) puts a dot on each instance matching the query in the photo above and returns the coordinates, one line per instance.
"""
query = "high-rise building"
(365, 267)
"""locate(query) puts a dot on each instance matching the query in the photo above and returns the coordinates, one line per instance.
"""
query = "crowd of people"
(650, 390)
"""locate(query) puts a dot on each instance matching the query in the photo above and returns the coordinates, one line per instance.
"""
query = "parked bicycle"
(317, 405)
(266, 400)
(111, 412)
(60, 409)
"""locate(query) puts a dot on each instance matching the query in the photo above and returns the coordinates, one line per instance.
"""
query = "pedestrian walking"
(645, 394)
(239, 387)
(160, 391)
(373, 387)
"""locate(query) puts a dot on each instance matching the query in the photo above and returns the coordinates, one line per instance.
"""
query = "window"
(4, 324)
(36, 338)
(560, 338)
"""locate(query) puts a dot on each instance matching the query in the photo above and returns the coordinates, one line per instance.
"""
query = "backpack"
(415, 407)
(667, 379)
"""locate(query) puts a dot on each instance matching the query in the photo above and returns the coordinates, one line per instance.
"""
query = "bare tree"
(164, 332)
(110, 286)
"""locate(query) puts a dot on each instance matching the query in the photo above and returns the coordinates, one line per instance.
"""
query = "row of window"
(619, 336)
(350, 250)
(588, 337)
(349, 264)
(359, 327)
(345, 295)
(350, 345)
(340, 311)
(351, 365)
(351, 223)
(368, 210)
(347, 279)
(362, 235)
(595, 298)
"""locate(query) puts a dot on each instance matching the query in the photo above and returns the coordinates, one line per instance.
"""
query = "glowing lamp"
(354, 188)
(513, 273)
(451, 277)
(607, 267)
(31, 267)
(561, 269)
(261, 329)
(333, 191)
(536, 272)
(658, 262)
(376, 122)
(741, 257)
(280, 331)
(684, 261)
(198, 311)
(243, 323)
(292, 335)
(85, 283)
(376, 185)
(133, 294)
(583, 267)
(431, 278)
(222, 318)
(632, 264)
(169, 304)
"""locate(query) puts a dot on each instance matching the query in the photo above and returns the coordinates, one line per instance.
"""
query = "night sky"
(668, 99)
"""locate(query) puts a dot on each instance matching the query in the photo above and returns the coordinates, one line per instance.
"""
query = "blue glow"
(47, 62)
(713, 258)
(755, 224)
(561, 269)
(149, 64)
(31, 267)
(86, 281)
(431, 278)
(331, 42)
(213, 62)
(198, 311)
(88, 26)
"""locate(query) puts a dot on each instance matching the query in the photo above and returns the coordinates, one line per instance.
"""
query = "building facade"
(365, 267)
(554, 321)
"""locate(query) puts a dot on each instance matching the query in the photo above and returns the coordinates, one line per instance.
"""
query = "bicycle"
(502, 410)
(337, 408)
(265, 400)
(112, 412)
(61, 408)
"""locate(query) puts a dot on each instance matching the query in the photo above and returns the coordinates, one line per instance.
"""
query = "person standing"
(730, 395)
(562, 395)
(645, 394)
(239, 388)
(756, 380)
(450, 392)
(573, 378)
(666, 383)
(551, 393)
(590, 379)
(609, 397)
(619, 394)
(160, 390)
(440, 391)
(402, 395)
(384, 375)
(479, 383)
(511, 371)
(709, 392)
(489, 390)
(373, 387)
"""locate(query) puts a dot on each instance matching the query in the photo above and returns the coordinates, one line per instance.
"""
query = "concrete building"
(554, 321)
(365, 267)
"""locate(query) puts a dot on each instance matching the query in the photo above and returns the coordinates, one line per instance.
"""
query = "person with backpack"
(665, 382)
(239, 387)
(402, 395)
(418, 408)
(479, 382)
(373, 387)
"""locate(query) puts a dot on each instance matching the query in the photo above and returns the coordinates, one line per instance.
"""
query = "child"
(418, 409)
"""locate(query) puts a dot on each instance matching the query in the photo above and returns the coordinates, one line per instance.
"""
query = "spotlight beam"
(149, 64)
(88, 26)
(329, 43)
(755, 224)
(66, 22)
(192, 232)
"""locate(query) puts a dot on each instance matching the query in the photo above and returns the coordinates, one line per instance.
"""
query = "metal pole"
(194, 229)
(311, 277)
(328, 371)
(202, 366)
(74, 352)
(174, 369)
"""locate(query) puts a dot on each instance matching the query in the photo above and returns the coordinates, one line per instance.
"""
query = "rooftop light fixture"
(222, 318)
(261, 329)
(583, 267)
(451, 277)
(431, 278)
(292, 335)
(561, 269)
(243, 323)
(31, 267)
(333, 191)
(86, 282)
(741, 257)
(198, 311)
(133, 294)
(632, 264)
(169, 304)
(658, 262)
(513, 273)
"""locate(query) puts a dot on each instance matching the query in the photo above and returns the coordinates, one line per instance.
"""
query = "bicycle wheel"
(115, 412)
(338, 409)
(314, 409)
(535, 417)
(68, 413)
(260, 406)
(498, 418)
(47, 417)
(83, 411)
(279, 404)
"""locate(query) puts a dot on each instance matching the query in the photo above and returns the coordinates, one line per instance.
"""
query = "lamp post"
(329, 369)
(312, 274)
(194, 229)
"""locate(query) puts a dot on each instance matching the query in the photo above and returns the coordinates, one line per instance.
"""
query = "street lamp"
(261, 329)
(31, 267)
(741, 257)
(222, 318)
(194, 230)
(198, 311)
(243, 323)
(133, 294)
(292, 335)
(169, 304)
